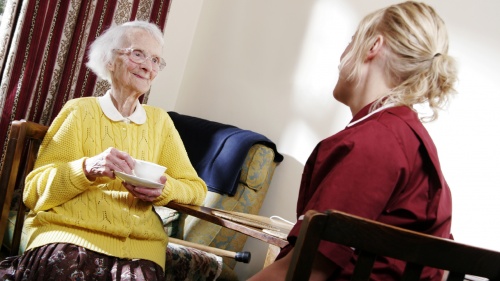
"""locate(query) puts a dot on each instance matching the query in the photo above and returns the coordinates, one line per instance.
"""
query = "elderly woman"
(383, 165)
(85, 223)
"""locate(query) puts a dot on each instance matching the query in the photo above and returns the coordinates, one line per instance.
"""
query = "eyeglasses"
(138, 56)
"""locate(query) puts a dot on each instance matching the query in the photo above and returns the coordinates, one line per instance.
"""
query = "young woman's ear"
(375, 48)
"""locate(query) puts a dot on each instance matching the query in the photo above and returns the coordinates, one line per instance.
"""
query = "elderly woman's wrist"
(87, 173)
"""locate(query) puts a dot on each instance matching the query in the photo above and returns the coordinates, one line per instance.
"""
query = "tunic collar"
(364, 113)
(109, 109)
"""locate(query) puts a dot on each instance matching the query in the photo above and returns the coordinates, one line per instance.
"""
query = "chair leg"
(272, 253)
(363, 267)
(412, 272)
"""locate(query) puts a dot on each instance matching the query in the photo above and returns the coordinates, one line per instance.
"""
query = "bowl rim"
(150, 163)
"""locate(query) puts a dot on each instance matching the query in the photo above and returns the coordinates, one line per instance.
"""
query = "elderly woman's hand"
(145, 193)
(105, 163)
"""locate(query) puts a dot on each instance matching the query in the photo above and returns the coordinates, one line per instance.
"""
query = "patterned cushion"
(188, 264)
(255, 172)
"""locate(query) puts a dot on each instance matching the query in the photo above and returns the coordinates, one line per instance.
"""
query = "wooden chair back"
(374, 239)
(22, 149)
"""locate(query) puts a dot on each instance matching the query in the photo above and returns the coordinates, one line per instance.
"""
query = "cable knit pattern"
(102, 215)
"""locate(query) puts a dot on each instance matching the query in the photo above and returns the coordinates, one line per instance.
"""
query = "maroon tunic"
(384, 168)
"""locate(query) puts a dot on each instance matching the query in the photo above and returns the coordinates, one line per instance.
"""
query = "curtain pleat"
(47, 58)
(43, 47)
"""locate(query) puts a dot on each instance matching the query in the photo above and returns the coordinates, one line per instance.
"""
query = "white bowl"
(148, 170)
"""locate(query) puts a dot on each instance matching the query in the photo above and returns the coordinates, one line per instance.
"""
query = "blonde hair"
(101, 50)
(418, 65)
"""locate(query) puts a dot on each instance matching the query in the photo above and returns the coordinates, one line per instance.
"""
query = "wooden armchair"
(372, 239)
(247, 161)
(22, 148)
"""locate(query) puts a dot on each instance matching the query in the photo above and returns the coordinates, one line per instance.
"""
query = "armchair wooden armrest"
(206, 213)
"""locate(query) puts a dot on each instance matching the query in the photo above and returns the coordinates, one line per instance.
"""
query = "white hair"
(101, 50)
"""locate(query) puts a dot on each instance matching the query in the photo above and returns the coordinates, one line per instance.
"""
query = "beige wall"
(270, 66)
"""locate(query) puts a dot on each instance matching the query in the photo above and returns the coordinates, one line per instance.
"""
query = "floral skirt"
(71, 262)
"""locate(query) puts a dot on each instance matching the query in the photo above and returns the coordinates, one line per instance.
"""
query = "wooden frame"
(371, 239)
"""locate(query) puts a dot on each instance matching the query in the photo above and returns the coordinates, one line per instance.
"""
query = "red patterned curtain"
(43, 46)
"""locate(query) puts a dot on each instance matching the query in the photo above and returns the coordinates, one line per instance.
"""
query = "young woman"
(383, 165)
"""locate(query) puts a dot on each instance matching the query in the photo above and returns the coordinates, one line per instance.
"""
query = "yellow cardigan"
(102, 215)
